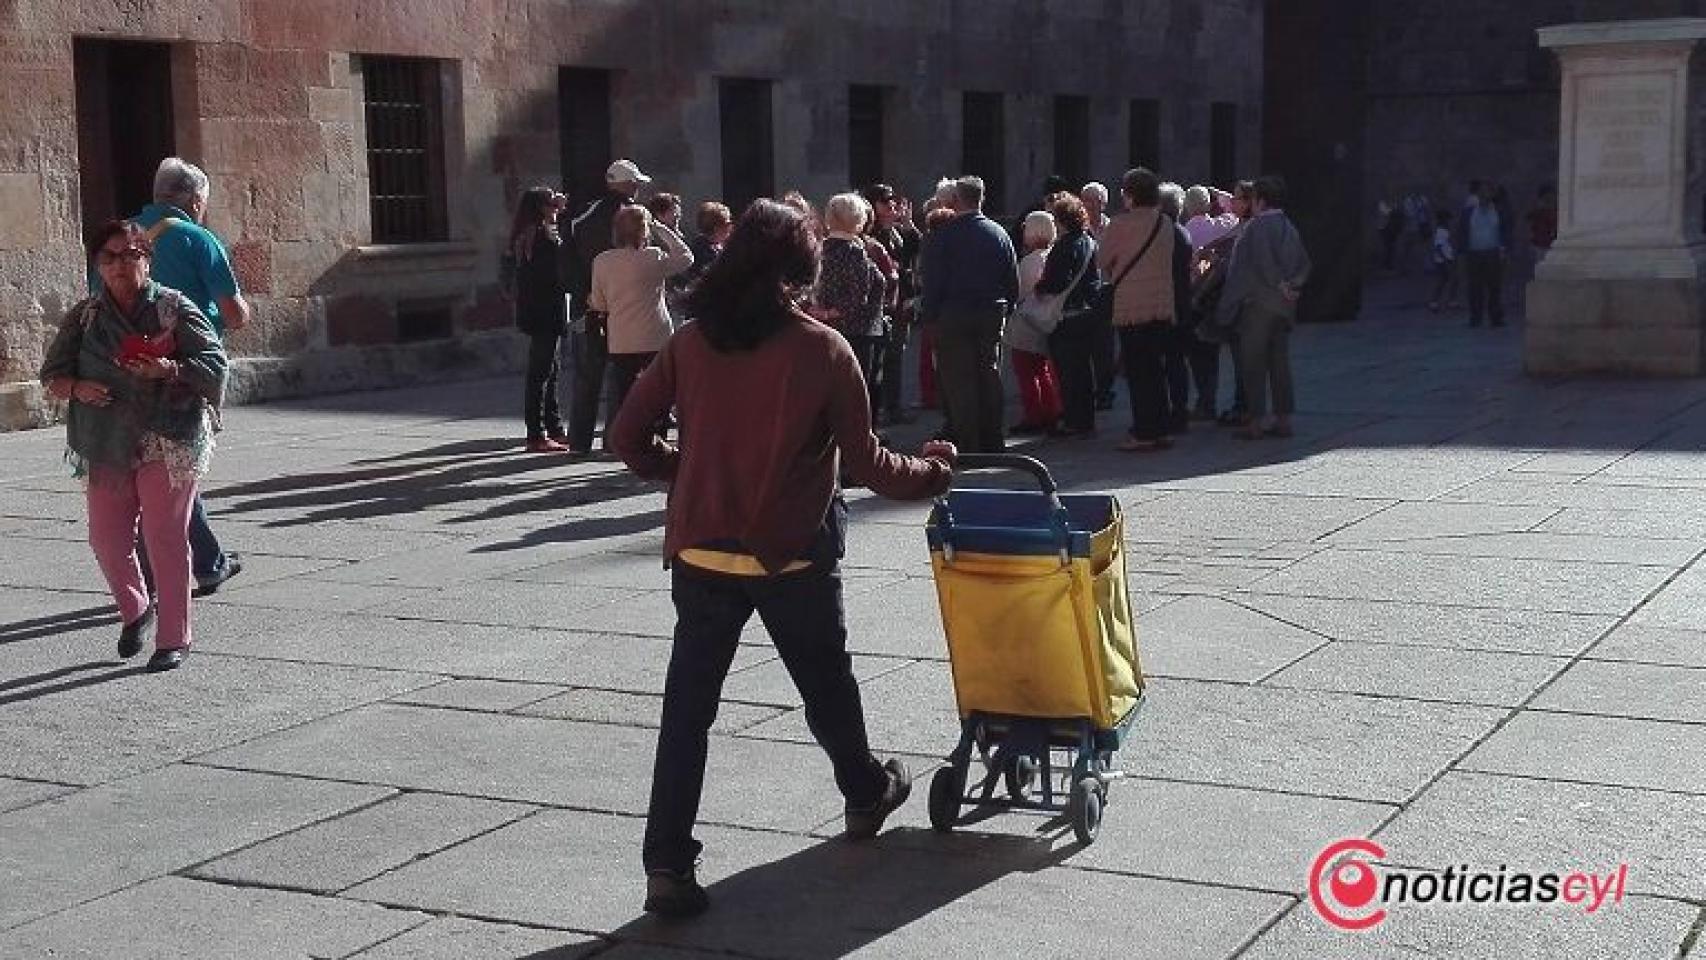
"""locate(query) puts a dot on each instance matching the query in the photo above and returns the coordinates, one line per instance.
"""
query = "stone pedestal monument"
(1623, 290)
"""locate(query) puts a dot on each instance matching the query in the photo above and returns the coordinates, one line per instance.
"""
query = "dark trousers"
(589, 388)
(1486, 285)
(1176, 364)
(804, 616)
(894, 369)
(1104, 352)
(539, 401)
(1204, 356)
(968, 373)
(1073, 345)
(1264, 351)
(869, 352)
(625, 368)
(207, 557)
(1143, 350)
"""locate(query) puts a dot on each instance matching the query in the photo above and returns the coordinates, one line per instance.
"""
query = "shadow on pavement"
(591, 528)
(20, 689)
(71, 621)
(830, 900)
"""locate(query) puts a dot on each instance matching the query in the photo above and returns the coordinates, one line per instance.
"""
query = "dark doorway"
(748, 145)
(984, 145)
(1072, 139)
(1143, 137)
(583, 102)
(124, 124)
(865, 146)
(1223, 144)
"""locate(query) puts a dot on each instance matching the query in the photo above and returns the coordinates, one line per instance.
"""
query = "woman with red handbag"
(144, 373)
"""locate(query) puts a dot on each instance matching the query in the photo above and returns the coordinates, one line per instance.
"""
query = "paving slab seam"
(1693, 936)
(185, 871)
(1511, 713)
(1430, 603)
(1266, 928)
(177, 872)
(1577, 782)
(436, 678)
(435, 852)
(1676, 721)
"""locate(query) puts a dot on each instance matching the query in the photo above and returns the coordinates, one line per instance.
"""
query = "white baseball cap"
(625, 171)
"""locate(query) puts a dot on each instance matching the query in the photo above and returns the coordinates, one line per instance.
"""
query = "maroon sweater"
(761, 430)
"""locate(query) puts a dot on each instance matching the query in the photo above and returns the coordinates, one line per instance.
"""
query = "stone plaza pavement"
(1462, 612)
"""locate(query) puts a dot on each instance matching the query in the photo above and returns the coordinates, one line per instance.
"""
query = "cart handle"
(1058, 518)
(1009, 461)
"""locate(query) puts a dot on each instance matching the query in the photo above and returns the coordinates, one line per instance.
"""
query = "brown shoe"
(864, 822)
(545, 445)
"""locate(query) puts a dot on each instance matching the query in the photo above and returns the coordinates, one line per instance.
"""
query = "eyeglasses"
(107, 258)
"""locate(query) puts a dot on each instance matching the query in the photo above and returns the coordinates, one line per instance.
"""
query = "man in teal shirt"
(190, 259)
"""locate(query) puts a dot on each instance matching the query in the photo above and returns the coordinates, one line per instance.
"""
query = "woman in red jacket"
(769, 400)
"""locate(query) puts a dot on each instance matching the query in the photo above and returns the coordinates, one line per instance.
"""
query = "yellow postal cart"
(1042, 642)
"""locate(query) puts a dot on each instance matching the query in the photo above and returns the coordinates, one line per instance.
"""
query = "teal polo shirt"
(191, 260)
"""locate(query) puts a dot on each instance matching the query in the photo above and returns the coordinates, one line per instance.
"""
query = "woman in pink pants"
(143, 372)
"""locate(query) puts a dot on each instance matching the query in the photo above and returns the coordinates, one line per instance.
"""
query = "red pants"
(1039, 391)
(927, 366)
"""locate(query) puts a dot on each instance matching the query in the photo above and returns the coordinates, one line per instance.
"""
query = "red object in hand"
(135, 347)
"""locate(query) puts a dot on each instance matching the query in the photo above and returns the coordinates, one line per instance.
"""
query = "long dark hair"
(747, 294)
(529, 214)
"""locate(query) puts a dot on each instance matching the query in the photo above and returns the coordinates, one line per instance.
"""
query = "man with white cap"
(589, 236)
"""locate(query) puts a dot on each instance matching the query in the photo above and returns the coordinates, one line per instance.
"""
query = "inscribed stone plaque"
(1624, 130)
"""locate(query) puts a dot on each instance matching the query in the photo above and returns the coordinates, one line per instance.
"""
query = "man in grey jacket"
(1268, 271)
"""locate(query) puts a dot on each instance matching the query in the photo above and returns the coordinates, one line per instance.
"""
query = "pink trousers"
(116, 499)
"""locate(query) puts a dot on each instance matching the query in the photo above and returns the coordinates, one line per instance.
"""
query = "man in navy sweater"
(971, 278)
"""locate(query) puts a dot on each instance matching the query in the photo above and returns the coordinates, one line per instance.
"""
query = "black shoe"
(210, 584)
(136, 633)
(675, 895)
(864, 822)
(164, 660)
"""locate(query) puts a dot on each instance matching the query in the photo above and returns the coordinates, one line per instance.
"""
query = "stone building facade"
(365, 154)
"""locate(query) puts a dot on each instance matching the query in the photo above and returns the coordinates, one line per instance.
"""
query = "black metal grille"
(865, 147)
(1072, 139)
(405, 149)
(1144, 137)
(984, 145)
(1223, 143)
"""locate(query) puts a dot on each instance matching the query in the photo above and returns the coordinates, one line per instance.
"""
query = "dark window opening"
(583, 102)
(747, 138)
(124, 124)
(1223, 144)
(405, 148)
(423, 321)
(865, 145)
(1144, 138)
(1072, 139)
(984, 145)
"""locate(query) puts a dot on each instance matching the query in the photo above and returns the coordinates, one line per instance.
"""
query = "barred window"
(865, 124)
(1223, 143)
(1144, 135)
(1072, 139)
(405, 148)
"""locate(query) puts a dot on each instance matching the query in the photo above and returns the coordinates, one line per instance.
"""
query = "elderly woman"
(628, 287)
(770, 402)
(1039, 393)
(143, 370)
(851, 288)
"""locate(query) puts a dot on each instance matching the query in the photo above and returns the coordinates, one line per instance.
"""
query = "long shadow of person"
(834, 898)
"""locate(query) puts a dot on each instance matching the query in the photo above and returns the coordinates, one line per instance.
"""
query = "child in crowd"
(1444, 259)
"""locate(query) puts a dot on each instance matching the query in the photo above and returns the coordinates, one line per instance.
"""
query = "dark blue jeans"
(803, 613)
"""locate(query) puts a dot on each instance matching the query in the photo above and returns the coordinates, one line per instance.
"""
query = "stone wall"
(267, 97)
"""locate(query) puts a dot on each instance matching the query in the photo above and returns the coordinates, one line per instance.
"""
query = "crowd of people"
(1074, 294)
(1472, 244)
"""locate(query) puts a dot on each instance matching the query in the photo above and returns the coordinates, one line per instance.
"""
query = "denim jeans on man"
(804, 615)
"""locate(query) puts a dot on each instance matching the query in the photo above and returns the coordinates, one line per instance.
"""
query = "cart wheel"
(1084, 809)
(947, 788)
(1021, 775)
